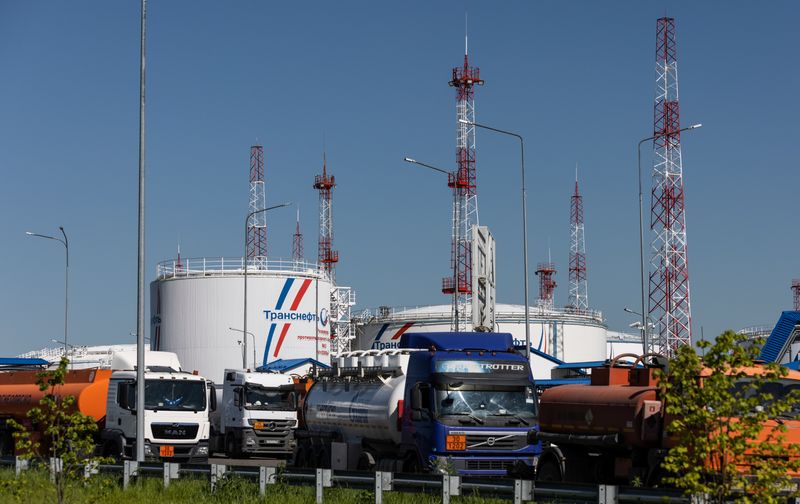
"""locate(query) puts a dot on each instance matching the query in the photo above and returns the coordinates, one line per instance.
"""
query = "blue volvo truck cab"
(470, 401)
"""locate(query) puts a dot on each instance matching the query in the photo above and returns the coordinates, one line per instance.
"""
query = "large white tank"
(364, 408)
(197, 311)
(563, 333)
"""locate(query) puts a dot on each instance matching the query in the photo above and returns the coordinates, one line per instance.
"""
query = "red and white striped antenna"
(670, 307)
(464, 185)
(578, 284)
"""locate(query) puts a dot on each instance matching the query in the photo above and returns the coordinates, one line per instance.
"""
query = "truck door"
(422, 418)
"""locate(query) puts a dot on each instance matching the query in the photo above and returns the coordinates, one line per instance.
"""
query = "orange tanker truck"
(177, 406)
(612, 430)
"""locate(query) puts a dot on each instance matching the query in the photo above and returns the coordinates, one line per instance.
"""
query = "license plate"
(166, 451)
(258, 426)
(455, 443)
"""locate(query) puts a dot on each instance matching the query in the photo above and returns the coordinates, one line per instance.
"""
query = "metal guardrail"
(446, 486)
(231, 266)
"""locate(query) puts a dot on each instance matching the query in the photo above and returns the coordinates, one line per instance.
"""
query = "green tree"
(728, 426)
(58, 430)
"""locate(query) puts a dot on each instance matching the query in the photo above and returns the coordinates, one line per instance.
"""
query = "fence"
(380, 482)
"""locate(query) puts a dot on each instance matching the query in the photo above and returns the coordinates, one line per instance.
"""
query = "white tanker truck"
(442, 401)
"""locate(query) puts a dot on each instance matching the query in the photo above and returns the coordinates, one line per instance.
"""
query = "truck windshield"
(261, 398)
(175, 395)
(482, 403)
(777, 390)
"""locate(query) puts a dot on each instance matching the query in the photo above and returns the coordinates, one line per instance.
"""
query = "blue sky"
(576, 79)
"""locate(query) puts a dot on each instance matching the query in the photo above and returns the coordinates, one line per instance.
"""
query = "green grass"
(34, 487)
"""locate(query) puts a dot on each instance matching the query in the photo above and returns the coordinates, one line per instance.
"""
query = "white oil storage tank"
(565, 334)
(197, 311)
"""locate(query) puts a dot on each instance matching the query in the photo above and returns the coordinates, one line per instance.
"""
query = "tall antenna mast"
(670, 308)
(257, 227)
(796, 294)
(463, 183)
(297, 242)
(578, 284)
(327, 256)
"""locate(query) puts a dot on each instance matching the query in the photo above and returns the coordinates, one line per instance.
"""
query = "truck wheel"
(366, 462)
(549, 470)
(231, 449)
(112, 449)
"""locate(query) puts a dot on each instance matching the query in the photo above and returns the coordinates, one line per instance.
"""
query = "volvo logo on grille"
(490, 441)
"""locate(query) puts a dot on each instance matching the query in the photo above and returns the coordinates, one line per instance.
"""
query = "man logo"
(490, 441)
(323, 317)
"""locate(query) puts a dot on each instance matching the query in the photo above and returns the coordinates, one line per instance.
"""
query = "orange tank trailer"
(612, 430)
(19, 393)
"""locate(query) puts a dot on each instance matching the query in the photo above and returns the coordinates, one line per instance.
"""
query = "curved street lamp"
(64, 242)
(244, 261)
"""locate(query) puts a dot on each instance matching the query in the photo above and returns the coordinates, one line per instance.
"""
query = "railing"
(231, 266)
(756, 330)
(380, 482)
(424, 312)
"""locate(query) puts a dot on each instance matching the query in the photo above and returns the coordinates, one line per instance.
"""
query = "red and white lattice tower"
(463, 183)
(670, 309)
(297, 242)
(327, 256)
(547, 284)
(796, 294)
(578, 285)
(257, 226)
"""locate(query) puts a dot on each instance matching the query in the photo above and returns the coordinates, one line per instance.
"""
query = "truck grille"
(274, 427)
(495, 442)
(489, 465)
(174, 430)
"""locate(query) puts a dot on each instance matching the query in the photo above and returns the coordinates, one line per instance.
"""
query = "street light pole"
(645, 342)
(140, 363)
(244, 358)
(64, 242)
(456, 237)
(524, 226)
(244, 264)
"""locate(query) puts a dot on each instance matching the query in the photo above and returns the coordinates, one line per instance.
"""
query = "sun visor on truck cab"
(490, 342)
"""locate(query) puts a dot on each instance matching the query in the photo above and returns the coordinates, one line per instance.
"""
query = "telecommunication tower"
(297, 242)
(257, 226)
(669, 307)
(327, 256)
(463, 182)
(578, 284)
(796, 294)
(547, 284)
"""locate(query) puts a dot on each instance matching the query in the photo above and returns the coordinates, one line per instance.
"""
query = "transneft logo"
(273, 315)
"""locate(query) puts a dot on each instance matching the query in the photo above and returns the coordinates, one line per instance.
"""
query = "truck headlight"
(201, 450)
(148, 450)
(250, 441)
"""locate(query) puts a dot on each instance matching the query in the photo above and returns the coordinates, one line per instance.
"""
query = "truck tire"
(111, 448)
(549, 470)
(232, 450)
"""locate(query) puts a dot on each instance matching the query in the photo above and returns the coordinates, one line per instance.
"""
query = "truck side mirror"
(416, 399)
(237, 397)
(212, 400)
(122, 395)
